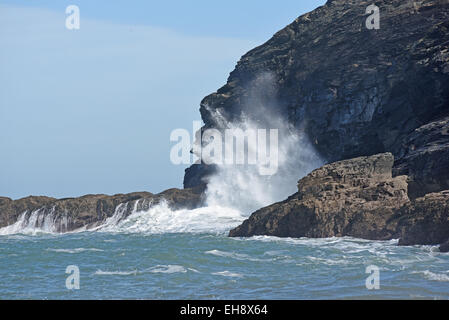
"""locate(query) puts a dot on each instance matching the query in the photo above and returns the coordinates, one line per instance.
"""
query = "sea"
(186, 254)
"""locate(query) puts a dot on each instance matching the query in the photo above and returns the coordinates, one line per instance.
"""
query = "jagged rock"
(353, 197)
(424, 221)
(91, 210)
(10, 209)
(426, 160)
(358, 198)
(182, 199)
(354, 91)
(194, 175)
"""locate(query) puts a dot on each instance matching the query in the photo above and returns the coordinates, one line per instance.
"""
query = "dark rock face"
(194, 175)
(425, 220)
(426, 160)
(355, 92)
(91, 210)
(353, 197)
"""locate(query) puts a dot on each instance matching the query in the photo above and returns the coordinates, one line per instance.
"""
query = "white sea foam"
(346, 243)
(228, 274)
(330, 262)
(233, 192)
(115, 273)
(33, 223)
(158, 219)
(76, 250)
(429, 275)
(168, 269)
(161, 219)
(234, 255)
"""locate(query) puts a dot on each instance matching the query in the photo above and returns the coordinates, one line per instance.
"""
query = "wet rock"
(426, 159)
(90, 211)
(358, 198)
(424, 221)
(355, 197)
(11, 209)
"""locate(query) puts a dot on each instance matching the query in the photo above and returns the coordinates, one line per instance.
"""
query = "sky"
(90, 111)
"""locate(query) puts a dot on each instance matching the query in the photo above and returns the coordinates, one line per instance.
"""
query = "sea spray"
(243, 187)
(233, 192)
(161, 219)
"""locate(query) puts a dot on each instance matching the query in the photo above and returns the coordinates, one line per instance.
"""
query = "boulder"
(424, 221)
(355, 197)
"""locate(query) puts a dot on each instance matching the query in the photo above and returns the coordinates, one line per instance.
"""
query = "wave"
(158, 219)
(76, 250)
(161, 219)
(168, 269)
(228, 274)
(233, 192)
(115, 273)
(429, 275)
(344, 243)
(37, 222)
(234, 255)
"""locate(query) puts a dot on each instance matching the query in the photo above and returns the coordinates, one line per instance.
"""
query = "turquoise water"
(213, 266)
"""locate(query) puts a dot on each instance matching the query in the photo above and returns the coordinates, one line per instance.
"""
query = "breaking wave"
(243, 187)
(157, 219)
(168, 269)
(76, 250)
(37, 222)
(162, 219)
(429, 275)
(233, 192)
(228, 274)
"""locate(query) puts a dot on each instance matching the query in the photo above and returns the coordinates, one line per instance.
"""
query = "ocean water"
(185, 254)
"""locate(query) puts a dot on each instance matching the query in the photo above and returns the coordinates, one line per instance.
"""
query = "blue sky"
(91, 110)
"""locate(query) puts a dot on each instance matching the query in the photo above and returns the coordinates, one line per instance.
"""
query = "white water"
(38, 221)
(161, 219)
(157, 219)
(242, 187)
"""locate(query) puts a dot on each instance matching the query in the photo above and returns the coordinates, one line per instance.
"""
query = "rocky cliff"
(357, 198)
(354, 197)
(353, 91)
